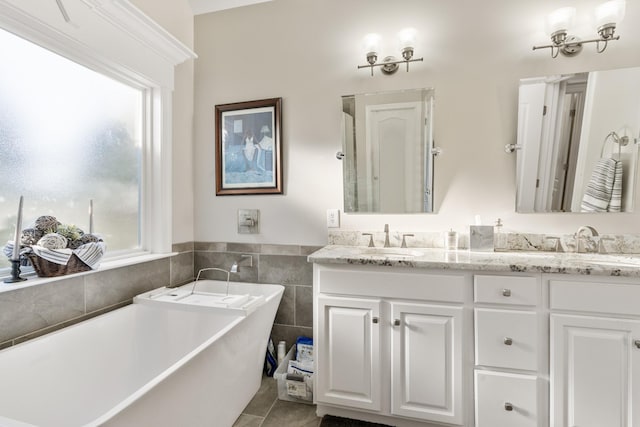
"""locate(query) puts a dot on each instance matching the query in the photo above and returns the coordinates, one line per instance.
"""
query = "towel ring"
(622, 141)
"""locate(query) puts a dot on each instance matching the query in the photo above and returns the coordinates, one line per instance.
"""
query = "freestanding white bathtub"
(142, 365)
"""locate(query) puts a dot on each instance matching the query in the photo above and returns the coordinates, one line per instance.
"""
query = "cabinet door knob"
(508, 406)
(637, 343)
(506, 292)
(508, 341)
(396, 322)
(375, 320)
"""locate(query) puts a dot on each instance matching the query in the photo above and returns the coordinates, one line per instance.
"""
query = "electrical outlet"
(333, 218)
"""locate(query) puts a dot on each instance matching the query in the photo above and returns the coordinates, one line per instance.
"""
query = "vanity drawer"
(402, 284)
(506, 338)
(506, 400)
(597, 297)
(511, 290)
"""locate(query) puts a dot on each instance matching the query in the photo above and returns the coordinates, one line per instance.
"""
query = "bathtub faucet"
(235, 268)
(215, 269)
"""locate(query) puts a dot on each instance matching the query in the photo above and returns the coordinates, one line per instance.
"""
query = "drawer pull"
(508, 341)
(396, 322)
(508, 406)
(506, 292)
(637, 343)
(375, 320)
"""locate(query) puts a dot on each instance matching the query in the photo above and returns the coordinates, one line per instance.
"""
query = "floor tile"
(246, 420)
(285, 414)
(263, 399)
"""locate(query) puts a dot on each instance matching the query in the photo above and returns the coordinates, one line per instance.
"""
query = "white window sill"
(33, 280)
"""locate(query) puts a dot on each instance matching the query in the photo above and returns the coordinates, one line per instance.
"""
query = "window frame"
(120, 42)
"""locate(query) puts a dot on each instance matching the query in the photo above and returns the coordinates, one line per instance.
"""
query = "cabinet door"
(426, 362)
(595, 372)
(349, 352)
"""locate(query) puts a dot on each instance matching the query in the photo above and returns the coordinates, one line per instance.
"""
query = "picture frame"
(249, 147)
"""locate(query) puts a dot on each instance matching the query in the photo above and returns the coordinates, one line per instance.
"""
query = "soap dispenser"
(499, 237)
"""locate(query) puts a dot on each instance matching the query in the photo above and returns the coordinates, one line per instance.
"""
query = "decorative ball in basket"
(56, 249)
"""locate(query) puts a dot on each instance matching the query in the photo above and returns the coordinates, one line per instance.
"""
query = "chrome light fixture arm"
(390, 64)
(573, 45)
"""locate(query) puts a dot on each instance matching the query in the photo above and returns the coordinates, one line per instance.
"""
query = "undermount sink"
(391, 252)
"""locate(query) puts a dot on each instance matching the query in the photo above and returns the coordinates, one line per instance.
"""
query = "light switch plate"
(333, 218)
(248, 221)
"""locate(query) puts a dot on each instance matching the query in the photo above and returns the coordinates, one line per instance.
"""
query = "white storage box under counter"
(293, 388)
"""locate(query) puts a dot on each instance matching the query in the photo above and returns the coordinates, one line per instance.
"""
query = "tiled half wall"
(31, 311)
(277, 264)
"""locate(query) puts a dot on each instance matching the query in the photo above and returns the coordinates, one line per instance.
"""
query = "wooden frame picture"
(249, 147)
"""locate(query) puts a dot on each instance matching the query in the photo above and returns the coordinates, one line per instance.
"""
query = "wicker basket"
(46, 268)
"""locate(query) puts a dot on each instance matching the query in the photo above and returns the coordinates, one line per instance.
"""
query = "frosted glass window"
(68, 135)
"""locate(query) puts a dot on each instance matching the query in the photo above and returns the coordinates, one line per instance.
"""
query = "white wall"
(306, 51)
(177, 18)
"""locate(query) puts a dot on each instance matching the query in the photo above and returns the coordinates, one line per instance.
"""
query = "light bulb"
(611, 12)
(560, 19)
(407, 38)
(371, 43)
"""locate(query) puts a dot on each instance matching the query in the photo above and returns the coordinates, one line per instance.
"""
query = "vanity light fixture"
(390, 64)
(607, 15)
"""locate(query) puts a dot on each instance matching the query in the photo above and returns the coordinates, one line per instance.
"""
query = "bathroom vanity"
(425, 337)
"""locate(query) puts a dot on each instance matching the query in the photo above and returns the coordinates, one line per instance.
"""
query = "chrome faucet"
(584, 241)
(235, 267)
(386, 236)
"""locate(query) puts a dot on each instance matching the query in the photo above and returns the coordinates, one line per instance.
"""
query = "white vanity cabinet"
(510, 351)
(595, 352)
(390, 342)
(432, 344)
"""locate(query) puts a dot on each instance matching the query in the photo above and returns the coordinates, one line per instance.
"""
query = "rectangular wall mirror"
(577, 142)
(388, 152)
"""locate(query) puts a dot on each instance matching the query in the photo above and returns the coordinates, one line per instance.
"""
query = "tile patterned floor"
(266, 410)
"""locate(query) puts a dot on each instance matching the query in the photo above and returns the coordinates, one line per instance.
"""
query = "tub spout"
(245, 260)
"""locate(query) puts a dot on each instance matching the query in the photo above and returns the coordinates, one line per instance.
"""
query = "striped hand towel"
(604, 190)
(57, 256)
(89, 253)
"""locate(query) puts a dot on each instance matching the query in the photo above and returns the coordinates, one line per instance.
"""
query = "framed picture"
(249, 147)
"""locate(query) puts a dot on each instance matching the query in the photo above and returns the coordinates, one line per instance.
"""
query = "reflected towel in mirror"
(604, 190)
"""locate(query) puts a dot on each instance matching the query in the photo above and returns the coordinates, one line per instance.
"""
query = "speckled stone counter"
(538, 262)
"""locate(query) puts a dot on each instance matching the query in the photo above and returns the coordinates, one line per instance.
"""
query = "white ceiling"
(200, 7)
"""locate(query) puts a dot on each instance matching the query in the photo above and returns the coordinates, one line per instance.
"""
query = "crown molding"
(131, 20)
(112, 36)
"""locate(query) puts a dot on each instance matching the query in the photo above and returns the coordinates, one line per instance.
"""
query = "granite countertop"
(516, 261)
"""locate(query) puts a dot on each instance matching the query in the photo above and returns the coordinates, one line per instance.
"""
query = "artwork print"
(248, 148)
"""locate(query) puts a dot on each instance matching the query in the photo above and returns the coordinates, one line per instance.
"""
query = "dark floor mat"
(331, 421)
